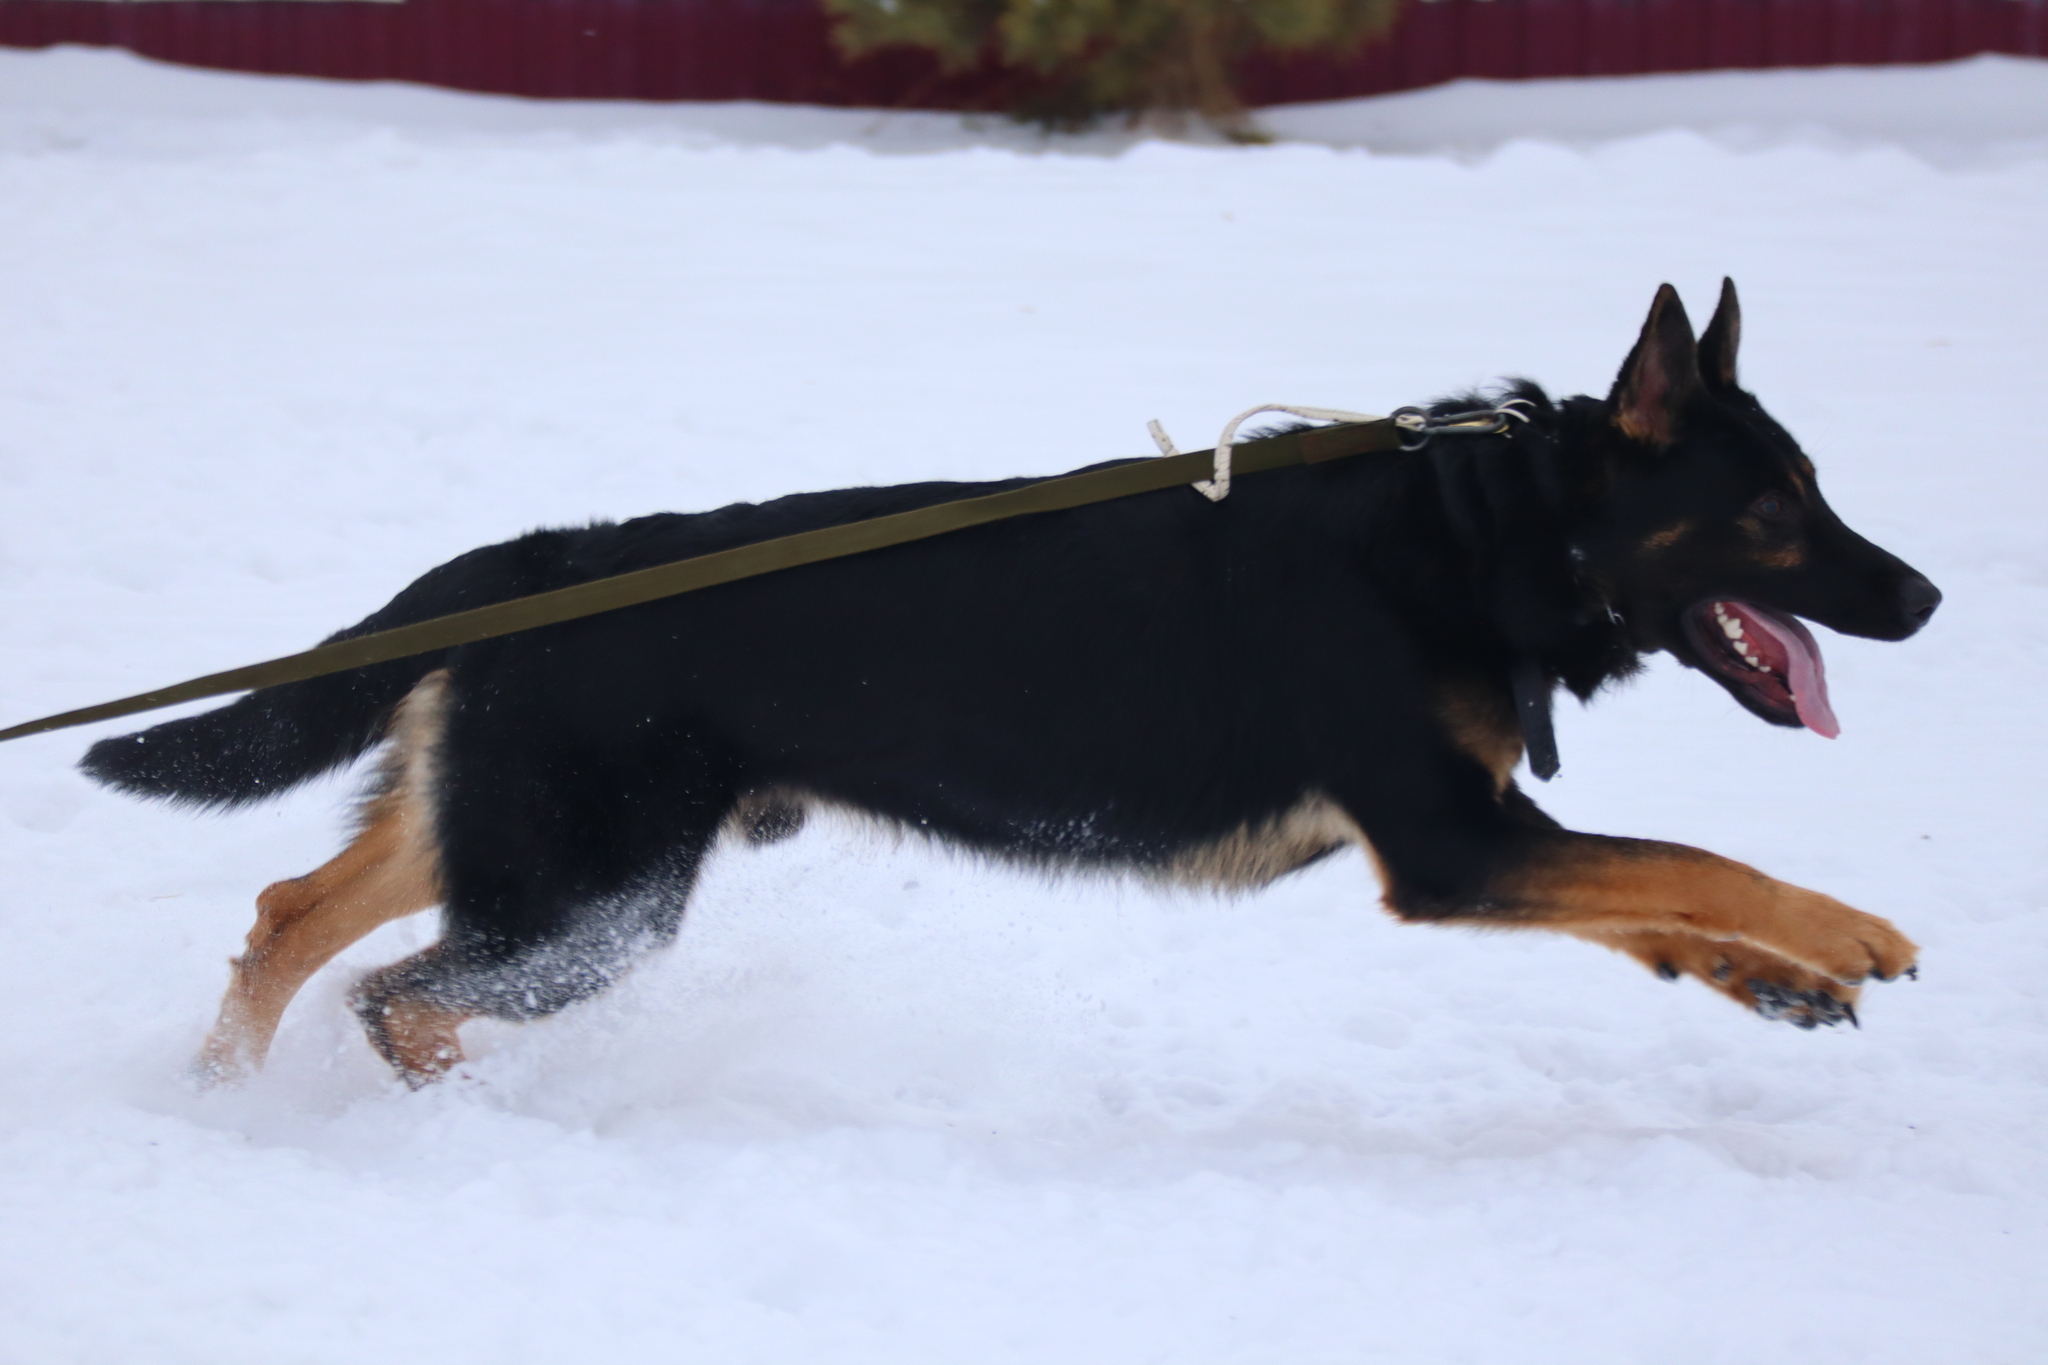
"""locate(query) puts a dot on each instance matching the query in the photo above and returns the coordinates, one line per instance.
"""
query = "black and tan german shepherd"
(1195, 692)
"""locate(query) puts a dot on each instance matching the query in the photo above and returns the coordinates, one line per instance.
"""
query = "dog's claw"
(1849, 1012)
(1666, 972)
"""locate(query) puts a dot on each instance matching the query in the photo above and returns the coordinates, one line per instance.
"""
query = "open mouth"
(1767, 658)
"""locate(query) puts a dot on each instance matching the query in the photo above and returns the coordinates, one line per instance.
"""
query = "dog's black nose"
(1917, 600)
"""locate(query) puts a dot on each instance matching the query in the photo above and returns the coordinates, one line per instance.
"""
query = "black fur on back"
(1464, 535)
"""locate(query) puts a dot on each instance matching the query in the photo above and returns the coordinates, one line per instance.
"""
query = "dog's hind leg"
(388, 871)
(413, 1009)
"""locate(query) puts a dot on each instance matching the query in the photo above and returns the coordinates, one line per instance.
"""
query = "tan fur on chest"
(1481, 722)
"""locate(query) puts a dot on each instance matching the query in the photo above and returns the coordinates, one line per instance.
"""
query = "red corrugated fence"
(781, 49)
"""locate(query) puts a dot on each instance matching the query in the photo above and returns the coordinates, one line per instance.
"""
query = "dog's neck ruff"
(1532, 687)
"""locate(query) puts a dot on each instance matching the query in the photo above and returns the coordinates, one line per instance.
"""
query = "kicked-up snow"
(269, 349)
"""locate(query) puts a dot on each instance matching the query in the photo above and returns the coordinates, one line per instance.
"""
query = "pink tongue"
(1808, 679)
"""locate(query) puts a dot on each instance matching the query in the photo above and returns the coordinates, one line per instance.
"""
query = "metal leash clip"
(1419, 426)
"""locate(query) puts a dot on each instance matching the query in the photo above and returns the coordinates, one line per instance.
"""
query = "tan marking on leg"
(390, 870)
(1595, 886)
(419, 1040)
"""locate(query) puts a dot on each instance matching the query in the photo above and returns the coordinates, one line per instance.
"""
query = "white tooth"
(1732, 629)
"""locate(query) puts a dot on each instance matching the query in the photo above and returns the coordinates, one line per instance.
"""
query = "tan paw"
(223, 1061)
(1828, 937)
(417, 1039)
(1750, 976)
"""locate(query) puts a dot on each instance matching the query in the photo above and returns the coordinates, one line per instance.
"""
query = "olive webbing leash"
(1208, 467)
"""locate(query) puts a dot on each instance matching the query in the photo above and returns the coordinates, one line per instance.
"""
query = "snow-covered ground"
(268, 349)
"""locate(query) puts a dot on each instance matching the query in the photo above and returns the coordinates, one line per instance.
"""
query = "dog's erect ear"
(1660, 374)
(1721, 340)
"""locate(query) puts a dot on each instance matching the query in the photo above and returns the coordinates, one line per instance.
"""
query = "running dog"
(1196, 692)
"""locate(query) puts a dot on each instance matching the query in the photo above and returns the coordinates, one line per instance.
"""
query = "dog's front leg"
(1595, 885)
(1790, 953)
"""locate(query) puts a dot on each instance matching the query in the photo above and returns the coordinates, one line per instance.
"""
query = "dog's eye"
(1769, 506)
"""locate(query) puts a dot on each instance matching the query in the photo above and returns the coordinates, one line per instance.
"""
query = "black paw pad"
(1802, 1009)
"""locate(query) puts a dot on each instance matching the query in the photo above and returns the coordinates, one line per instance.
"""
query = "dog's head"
(1711, 538)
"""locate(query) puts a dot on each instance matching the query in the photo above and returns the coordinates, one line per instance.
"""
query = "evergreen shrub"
(1080, 61)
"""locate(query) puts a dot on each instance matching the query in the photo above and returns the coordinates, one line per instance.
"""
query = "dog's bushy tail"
(277, 737)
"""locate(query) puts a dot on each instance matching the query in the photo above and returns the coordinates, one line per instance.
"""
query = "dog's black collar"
(1532, 687)
(1532, 709)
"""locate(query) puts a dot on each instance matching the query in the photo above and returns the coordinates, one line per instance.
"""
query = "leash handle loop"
(1217, 486)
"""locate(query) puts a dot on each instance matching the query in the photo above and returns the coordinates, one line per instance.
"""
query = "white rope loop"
(1417, 422)
(1217, 487)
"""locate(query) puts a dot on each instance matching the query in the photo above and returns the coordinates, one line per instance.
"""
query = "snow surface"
(271, 348)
